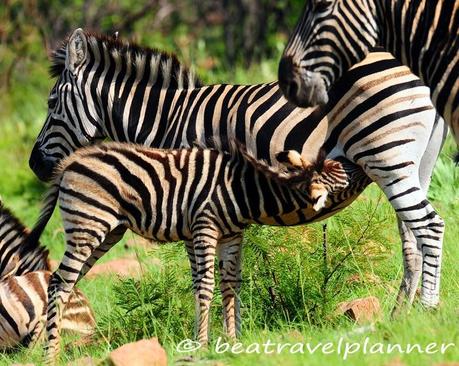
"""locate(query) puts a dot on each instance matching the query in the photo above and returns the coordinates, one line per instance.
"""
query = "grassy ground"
(289, 290)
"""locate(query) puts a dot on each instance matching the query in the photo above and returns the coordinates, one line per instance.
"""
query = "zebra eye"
(52, 102)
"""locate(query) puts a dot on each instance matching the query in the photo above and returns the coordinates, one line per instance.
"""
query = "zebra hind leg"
(412, 254)
(192, 258)
(229, 253)
(412, 268)
(205, 243)
(81, 245)
(418, 215)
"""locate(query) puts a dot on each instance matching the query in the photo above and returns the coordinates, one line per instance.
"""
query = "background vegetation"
(290, 290)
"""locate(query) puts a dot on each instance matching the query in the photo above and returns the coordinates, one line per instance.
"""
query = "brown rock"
(147, 352)
(361, 310)
(124, 267)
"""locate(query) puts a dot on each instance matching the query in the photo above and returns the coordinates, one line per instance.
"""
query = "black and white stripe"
(333, 35)
(379, 116)
(24, 278)
(202, 196)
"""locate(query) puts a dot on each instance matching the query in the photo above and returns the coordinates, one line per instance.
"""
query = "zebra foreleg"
(229, 253)
(205, 243)
(81, 244)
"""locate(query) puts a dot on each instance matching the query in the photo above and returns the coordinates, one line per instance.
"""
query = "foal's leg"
(192, 258)
(205, 242)
(80, 247)
(229, 253)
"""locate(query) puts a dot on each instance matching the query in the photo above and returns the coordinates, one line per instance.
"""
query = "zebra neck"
(406, 25)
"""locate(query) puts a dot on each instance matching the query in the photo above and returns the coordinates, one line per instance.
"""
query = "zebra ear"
(292, 159)
(77, 50)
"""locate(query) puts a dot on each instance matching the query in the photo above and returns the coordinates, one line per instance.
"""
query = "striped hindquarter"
(23, 304)
(24, 278)
(204, 197)
(331, 36)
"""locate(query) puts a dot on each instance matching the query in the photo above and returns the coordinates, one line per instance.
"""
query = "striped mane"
(293, 177)
(165, 66)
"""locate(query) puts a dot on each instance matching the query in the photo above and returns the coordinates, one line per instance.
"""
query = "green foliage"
(445, 180)
(160, 304)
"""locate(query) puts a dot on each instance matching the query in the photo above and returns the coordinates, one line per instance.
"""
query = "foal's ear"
(292, 159)
(77, 50)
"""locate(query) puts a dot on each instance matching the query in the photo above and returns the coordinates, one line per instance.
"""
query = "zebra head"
(74, 113)
(330, 36)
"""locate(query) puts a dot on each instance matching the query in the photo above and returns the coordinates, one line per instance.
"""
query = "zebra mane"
(9, 222)
(294, 178)
(164, 64)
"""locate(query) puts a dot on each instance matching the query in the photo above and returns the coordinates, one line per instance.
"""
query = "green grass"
(284, 298)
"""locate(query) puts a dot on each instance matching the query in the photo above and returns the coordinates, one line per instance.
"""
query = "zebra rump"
(24, 278)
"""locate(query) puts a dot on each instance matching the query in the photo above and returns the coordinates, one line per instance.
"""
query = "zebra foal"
(202, 196)
(24, 277)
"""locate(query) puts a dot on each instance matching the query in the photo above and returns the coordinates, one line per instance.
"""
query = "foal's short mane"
(129, 52)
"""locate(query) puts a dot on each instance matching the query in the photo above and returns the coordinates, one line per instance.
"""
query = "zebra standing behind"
(333, 35)
(24, 277)
(202, 196)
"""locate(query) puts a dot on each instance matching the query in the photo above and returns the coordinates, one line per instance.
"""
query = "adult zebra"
(333, 35)
(108, 89)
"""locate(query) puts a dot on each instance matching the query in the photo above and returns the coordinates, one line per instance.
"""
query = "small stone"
(361, 310)
(146, 352)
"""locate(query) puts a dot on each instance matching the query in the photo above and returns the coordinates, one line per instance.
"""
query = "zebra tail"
(456, 158)
(49, 203)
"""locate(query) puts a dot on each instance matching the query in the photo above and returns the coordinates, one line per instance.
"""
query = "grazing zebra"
(379, 116)
(24, 278)
(333, 35)
(203, 196)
